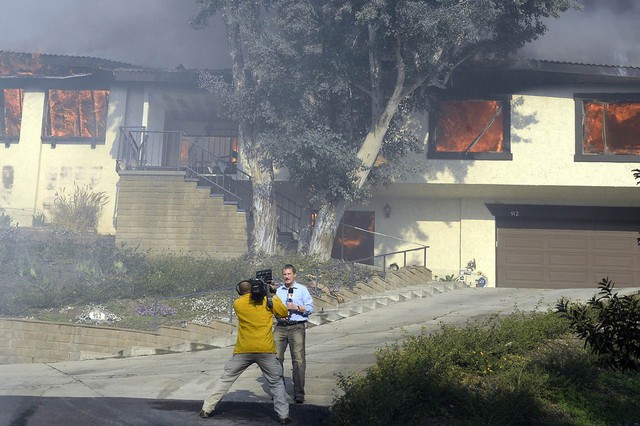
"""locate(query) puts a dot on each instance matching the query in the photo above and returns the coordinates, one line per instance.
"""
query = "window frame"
(71, 140)
(9, 139)
(433, 154)
(579, 99)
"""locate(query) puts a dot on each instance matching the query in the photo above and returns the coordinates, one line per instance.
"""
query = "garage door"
(566, 247)
(552, 258)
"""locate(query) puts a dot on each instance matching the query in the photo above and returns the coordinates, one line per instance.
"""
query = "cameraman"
(253, 345)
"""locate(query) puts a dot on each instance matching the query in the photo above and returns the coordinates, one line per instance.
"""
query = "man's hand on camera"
(272, 288)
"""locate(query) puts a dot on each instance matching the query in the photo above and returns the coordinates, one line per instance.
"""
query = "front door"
(355, 239)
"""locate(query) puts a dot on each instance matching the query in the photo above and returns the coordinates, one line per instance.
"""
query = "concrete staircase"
(397, 286)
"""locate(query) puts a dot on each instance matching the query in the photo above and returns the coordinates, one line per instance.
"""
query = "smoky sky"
(605, 32)
(156, 33)
(151, 33)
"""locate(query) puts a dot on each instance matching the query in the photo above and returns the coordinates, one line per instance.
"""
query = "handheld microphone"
(290, 295)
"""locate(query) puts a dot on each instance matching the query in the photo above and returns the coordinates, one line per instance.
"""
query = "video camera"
(261, 286)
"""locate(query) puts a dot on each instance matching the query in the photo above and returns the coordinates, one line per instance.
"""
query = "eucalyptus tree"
(245, 100)
(325, 88)
(362, 67)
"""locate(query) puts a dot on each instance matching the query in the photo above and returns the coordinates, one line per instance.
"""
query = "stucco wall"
(36, 171)
(159, 210)
(456, 230)
(543, 148)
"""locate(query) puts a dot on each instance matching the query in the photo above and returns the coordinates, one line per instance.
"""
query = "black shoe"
(204, 414)
(286, 421)
(299, 400)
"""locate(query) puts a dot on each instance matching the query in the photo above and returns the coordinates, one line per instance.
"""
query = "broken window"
(465, 128)
(611, 128)
(11, 113)
(74, 114)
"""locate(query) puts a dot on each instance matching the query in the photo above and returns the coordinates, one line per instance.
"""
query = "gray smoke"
(153, 33)
(605, 32)
(156, 33)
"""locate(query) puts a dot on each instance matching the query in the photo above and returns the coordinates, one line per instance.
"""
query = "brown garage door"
(566, 258)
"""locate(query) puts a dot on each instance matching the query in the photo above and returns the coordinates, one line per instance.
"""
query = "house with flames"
(527, 179)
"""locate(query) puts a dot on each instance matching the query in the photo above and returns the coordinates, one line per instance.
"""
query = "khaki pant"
(294, 336)
(271, 369)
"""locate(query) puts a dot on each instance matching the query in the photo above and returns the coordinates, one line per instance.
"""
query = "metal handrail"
(353, 263)
(315, 290)
(144, 149)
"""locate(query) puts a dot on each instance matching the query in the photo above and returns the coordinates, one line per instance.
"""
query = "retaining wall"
(28, 341)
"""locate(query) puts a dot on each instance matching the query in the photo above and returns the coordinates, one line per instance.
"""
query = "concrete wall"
(25, 341)
(160, 211)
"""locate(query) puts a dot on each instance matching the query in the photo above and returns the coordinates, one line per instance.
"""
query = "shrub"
(609, 324)
(477, 374)
(78, 212)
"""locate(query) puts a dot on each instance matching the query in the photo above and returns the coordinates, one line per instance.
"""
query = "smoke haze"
(152, 33)
(156, 33)
(605, 32)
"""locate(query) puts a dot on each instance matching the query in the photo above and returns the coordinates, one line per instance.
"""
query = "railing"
(334, 274)
(212, 160)
(218, 304)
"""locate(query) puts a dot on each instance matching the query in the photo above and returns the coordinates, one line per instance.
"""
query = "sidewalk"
(169, 389)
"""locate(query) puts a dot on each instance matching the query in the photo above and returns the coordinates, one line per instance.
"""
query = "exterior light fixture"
(387, 211)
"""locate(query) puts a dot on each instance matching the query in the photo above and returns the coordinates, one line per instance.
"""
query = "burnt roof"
(511, 75)
(43, 67)
(16, 64)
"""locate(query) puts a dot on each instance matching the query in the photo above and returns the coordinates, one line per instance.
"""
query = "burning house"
(527, 175)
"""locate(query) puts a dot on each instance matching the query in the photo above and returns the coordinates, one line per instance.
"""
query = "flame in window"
(611, 128)
(11, 111)
(77, 113)
(469, 126)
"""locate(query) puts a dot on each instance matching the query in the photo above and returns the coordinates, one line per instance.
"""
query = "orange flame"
(12, 111)
(78, 113)
(459, 123)
(20, 64)
(616, 125)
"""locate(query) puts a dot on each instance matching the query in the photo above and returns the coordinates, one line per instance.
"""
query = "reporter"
(254, 344)
(291, 331)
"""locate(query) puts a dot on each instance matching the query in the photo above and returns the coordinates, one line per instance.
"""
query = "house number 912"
(515, 213)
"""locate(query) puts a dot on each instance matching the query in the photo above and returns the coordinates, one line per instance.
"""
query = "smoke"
(152, 33)
(156, 33)
(605, 32)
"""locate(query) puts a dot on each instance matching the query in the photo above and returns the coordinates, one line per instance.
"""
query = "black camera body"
(261, 286)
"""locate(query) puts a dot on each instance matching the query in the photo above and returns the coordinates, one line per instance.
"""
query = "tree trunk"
(264, 239)
(324, 231)
(305, 232)
(382, 114)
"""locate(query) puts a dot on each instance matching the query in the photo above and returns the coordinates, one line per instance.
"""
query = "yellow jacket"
(255, 324)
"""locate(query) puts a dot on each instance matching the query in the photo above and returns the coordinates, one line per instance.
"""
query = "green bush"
(609, 324)
(78, 212)
(46, 269)
(509, 370)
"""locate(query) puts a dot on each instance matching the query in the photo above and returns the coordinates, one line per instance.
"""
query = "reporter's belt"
(288, 323)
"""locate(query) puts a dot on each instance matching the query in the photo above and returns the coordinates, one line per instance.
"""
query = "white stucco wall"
(445, 207)
(543, 148)
(22, 160)
(40, 170)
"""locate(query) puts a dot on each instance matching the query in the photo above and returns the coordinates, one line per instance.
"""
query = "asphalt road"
(169, 389)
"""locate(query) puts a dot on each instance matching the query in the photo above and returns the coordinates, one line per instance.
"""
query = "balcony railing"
(211, 160)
